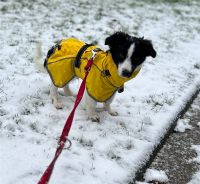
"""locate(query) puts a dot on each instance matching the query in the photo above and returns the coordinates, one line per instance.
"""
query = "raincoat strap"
(52, 51)
(80, 53)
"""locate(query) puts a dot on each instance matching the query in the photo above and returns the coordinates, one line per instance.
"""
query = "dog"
(110, 69)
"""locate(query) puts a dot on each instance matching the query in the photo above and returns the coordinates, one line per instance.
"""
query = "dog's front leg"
(67, 91)
(90, 107)
(108, 108)
(54, 97)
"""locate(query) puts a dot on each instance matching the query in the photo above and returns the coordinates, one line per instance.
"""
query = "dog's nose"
(126, 73)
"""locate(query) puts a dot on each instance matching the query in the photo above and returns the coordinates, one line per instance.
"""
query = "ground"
(177, 157)
(112, 151)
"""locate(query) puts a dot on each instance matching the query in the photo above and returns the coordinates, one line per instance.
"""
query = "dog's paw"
(113, 113)
(58, 105)
(94, 118)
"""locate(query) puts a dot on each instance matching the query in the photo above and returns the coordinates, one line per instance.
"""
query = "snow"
(196, 176)
(182, 125)
(198, 124)
(112, 151)
(138, 182)
(155, 175)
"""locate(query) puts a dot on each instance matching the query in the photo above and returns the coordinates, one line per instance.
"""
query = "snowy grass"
(112, 151)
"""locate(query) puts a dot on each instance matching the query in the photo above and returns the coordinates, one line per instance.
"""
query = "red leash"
(63, 138)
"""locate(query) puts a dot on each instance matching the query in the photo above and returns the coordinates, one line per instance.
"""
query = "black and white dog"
(127, 52)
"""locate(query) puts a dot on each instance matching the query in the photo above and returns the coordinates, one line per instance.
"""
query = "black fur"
(119, 44)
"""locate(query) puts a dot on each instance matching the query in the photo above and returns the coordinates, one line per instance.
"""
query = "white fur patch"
(126, 64)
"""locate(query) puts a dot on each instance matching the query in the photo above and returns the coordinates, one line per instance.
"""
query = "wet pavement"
(176, 155)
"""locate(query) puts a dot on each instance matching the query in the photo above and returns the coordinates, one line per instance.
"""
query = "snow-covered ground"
(155, 175)
(112, 151)
(182, 125)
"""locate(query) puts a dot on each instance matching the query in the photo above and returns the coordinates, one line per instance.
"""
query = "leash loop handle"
(63, 138)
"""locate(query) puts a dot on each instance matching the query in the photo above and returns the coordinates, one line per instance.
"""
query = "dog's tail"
(38, 58)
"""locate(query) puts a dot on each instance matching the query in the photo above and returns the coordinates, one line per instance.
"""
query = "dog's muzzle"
(126, 73)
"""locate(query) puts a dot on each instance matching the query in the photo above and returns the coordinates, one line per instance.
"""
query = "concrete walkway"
(174, 158)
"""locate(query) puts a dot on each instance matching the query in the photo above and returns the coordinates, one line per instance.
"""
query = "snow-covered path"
(196, 177)
(109, 152)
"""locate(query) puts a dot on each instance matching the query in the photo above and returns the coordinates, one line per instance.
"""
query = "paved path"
(174, 157)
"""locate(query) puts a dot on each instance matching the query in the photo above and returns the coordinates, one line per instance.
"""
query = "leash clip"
(94, 52)
(90, 61)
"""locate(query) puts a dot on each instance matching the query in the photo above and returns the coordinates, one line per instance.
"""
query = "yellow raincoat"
(103, 79)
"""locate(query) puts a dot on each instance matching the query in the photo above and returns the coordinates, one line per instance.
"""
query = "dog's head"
(129, 52)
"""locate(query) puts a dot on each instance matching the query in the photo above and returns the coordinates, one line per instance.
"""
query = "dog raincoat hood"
(103, 79)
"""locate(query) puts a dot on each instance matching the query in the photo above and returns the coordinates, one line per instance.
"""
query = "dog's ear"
(150, 49)
(153, 53)
(117, 39)
(144, 47)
